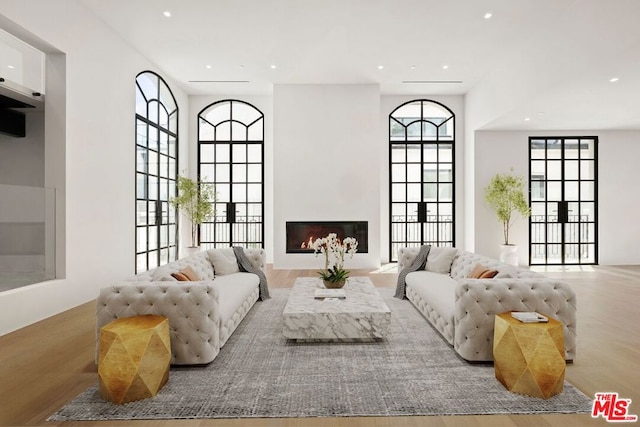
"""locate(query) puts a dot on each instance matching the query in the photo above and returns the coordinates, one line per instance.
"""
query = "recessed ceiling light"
(413, 67)
(167, 13)
(11, 66)
(526, 119)
(614, 79)
(273, 66)
(444, 67)
(488, 15)
(208, 67)
(380, 67)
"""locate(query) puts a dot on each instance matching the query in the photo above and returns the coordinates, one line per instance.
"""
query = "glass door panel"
(231, 158)
(421, 172)
(563, 200)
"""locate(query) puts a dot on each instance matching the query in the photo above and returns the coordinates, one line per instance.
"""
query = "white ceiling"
(549, 60)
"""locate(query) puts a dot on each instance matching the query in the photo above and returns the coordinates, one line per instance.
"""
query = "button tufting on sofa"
(193, 308)
(463, 310)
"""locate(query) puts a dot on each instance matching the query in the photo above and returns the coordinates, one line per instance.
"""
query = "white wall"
(498, 152)
(98, 163)
(265, 105)
(618, 204)
(327, 163)
(619, 198)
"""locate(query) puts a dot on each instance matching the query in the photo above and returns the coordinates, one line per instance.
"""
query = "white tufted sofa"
(202, 315)
(463, 310)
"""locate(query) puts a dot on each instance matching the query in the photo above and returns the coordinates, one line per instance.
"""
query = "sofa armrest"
(192, 308)
(257, 257)
(477, 301)
(406, 256)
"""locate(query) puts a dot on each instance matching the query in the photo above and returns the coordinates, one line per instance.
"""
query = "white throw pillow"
(439, 259)
(224, 261)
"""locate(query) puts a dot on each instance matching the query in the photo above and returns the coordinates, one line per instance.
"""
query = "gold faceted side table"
(134, 357)
(529, 358)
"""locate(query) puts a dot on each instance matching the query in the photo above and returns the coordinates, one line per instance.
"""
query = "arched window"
(421, 175)
(156, 172)
(231, 157)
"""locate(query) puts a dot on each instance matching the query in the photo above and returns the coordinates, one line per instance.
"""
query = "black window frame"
(160, 221)
(232, 224)
(423, 227)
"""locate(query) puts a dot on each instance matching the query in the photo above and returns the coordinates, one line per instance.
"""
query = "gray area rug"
(260, 374)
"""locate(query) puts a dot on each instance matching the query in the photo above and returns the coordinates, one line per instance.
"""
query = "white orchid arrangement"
(334, 251)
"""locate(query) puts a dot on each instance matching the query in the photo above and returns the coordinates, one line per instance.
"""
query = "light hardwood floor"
(47, 364)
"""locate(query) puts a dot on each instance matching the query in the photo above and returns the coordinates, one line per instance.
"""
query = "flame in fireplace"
(307, 245)
(300, 235)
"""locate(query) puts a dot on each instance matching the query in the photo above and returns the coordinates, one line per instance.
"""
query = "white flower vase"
(509, 254)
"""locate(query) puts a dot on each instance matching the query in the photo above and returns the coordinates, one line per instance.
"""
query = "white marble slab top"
(362, 315)
(361, 297)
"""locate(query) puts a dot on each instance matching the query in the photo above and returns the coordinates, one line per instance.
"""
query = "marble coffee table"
(362, 315)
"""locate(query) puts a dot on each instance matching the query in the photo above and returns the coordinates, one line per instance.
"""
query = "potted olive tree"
(196, 201)
(506, 195)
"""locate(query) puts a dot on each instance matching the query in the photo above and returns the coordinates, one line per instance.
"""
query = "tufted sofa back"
(193, 308)
(464, 262)
(198, 261)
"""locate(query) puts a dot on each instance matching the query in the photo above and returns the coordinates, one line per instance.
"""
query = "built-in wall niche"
(21, 84)
(300, 234)
(21, 65)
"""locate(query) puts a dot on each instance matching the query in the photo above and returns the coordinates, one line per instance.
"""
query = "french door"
(231, 157)
(563, 191)
(421, 175)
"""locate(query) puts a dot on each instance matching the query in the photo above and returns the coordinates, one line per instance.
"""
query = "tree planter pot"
(509, 254)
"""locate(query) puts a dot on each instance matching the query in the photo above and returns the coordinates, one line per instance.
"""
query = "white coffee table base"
(362, 315)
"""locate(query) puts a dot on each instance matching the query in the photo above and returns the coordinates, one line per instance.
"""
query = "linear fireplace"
(301, 233)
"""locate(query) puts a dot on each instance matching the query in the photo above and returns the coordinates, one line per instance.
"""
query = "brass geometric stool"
(529, 358)
(134, 357)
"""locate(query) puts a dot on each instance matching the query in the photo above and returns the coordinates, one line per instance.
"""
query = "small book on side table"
(529, 317)
(330, 293)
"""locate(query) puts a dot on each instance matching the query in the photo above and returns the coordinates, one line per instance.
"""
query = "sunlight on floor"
(561, 268)
(391, 268)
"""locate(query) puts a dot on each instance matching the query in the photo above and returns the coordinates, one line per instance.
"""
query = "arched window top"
(151, 88)
(231, 120)
(231, 110)
(422, 120)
